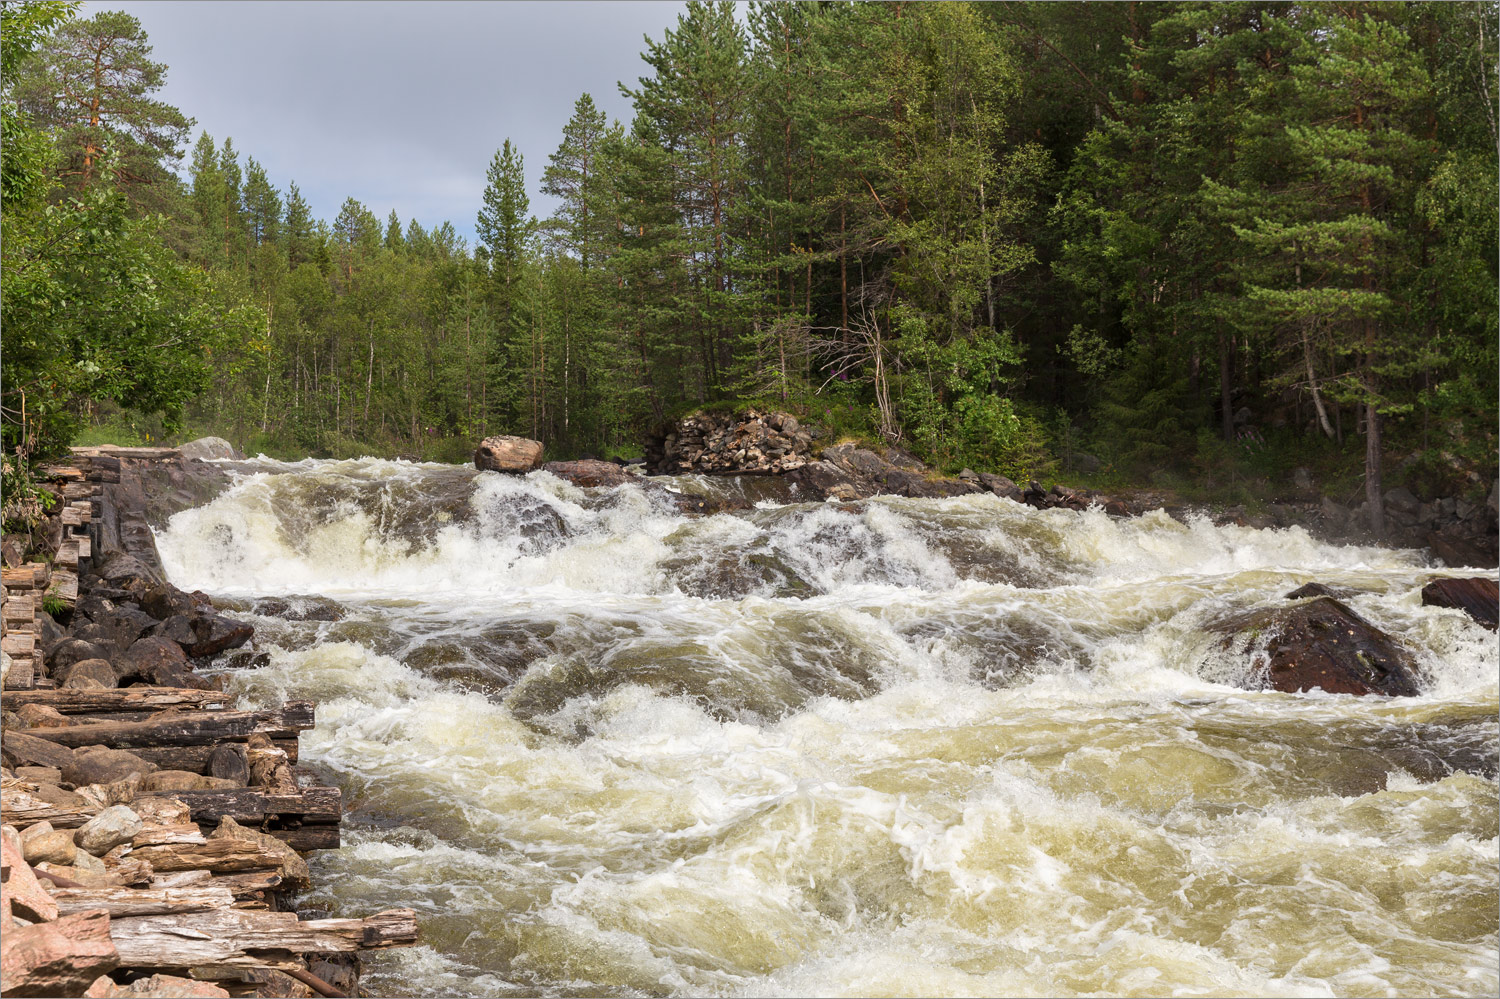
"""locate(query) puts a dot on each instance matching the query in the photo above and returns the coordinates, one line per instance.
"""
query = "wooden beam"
(242, 938)
(188, 728)
(252, 806)
(143, 901)
(73, 702)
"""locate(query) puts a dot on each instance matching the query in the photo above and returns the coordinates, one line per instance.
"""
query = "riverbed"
(897, 747)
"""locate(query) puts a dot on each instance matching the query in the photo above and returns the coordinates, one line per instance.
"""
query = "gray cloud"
(400, 105)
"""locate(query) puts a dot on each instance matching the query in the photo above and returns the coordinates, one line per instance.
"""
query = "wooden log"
(85, 545)
(21, 809)
(59, 472)
(22, 577)
(253, 806)
(20, 608)
(240, 938)
(250, 884)
(196, 758)
(132, 699)
(18, 644)
(143, 901)
(67, 553)
(269, 766)
(120, 451)
(79, 490)
(22, 672)
(186, 728)
(102, 468)
(186, 833)
(217, 855)
(310, 837)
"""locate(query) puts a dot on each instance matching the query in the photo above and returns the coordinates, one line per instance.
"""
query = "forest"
(1129, 240)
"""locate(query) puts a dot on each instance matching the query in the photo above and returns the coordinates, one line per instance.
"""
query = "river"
(902, 747)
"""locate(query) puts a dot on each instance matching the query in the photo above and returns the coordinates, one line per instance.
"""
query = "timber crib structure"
(152, 835)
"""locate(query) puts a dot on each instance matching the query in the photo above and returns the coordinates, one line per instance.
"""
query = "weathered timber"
(217, 855)
(22, 577)
(196, 758)
(113, 701)
(20, 608)
(120, 902)
(120, 451)
(252, 806)
(187, 728)
(269, 766)
(239, 938)
(22, 809)
(310, 837)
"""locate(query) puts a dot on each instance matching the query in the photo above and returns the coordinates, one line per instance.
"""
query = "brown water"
(913, 747)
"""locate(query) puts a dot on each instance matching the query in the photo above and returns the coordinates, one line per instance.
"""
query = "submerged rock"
(590, 473)
(1477, 596)
(1322, 644)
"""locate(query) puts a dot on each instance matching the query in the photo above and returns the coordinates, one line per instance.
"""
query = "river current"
(950, 747)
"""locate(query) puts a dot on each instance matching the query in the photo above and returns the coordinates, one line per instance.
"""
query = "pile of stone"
(749, 442)
(151, 834)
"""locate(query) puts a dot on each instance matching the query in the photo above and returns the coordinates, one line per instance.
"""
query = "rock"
(1401, 501)
(119, 792)
(184, 780)
(57, 797)
(590, 474)
(117, 629)
(115, 825)
(172, 987)
(165, 600)
(1459, 551)
(1324, 644)
(228, 762)
(1319, 590)
(90, 673)
(34, 830)
(39, 775)
(209, 449)
(294, 869)
(153, 659)
(126, 571)
(204, 634)
(72, 650)
(23, 894)
(41, 716)
(59, 958)
(1302, 480)
(969, 475)
(161, 810)
(28, 750)
(1034, 495)
(100, 765)
(301, 608)
(1088, 464)
(48, 631)
(1000, 486)
(1477, 596)
(54, 847)
(507, 454)
(247, 660)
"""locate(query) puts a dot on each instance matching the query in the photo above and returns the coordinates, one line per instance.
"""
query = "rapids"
(935, 747)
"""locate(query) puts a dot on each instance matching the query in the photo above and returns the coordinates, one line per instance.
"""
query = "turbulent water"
(902, 747)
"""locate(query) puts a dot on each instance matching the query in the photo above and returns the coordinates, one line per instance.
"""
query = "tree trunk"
(1226, 360)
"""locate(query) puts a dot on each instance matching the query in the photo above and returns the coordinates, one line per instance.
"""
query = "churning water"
(901, 747)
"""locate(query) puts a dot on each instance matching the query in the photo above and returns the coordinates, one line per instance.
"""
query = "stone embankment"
(152, 836)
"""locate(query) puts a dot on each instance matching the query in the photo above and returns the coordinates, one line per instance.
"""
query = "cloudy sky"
(398, 104)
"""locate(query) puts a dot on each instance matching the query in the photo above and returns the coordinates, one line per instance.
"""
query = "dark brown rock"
(1000, 486)
(1477, 596)
(507, 454)
(1319, 590)
(589, 473)
(23, 750)
(62, 656)
(165, 600)
(204, 634)
(86, 673)
(149, 658)
(1324, 644)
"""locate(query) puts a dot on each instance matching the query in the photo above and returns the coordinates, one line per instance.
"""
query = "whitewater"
(897, 747)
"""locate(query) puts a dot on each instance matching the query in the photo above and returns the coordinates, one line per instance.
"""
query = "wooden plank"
(19, 608)
(64, 586)
(195, 758)
(186, 728)
(22, 673)
(78, 490)
(62, 473)
(241, 938)
(146, 699)
(85, 545)
(22, 577)
(67, 553)
(217, 855)
(17, 644)
(251, 806)
(120, 451)
(72, 514)
(120, 902)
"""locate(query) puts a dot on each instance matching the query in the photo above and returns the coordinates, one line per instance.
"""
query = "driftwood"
(120, 902)
(198, 758)
(186, 728)
(270, 767)
(20, 808)
(218, 855)
(253, 806)
(73, 702)
(235, 938)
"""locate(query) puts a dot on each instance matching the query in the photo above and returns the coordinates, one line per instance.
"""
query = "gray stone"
(1401, 500)
(1302, 480)
(115, 825)
(209, 449)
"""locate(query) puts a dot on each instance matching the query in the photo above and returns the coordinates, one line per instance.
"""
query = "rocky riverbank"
(153, 837)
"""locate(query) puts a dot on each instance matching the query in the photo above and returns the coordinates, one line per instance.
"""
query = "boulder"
(41, 716)
(59, 958)
(65, 653)
(228, 762)
(209, 449)
(53, 847)
(116, 629)
(161, 810)
(25, 897)
(27, 750)
(165, 600)
(589, 473)
(39, 775)
(126, 572)
(101, 765)
(1477, 596)
(1000, 486)
(1322, 643)
(300, 608)
(90, 674)
(507, 454)
(204, 634)
(153, 659)
(171, 987)
(1319, 590)
(115, 825)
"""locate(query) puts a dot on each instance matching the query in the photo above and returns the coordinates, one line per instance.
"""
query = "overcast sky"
(398, 104)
